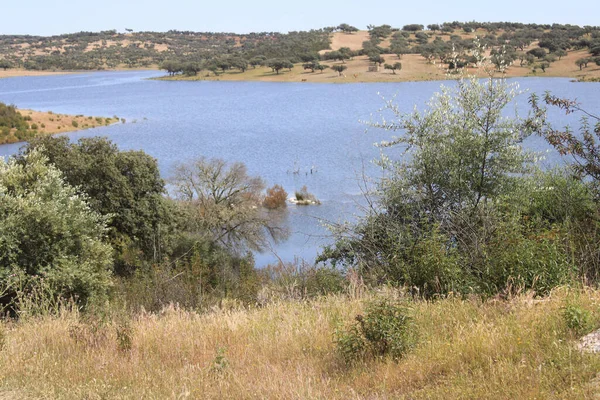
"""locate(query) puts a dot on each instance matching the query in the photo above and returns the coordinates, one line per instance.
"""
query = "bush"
(276, 198)
(75, 124)
(49, 233)
(300, 280)
(577, 319)
(383, 330)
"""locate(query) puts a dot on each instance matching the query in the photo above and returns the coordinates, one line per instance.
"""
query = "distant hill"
(534, 47)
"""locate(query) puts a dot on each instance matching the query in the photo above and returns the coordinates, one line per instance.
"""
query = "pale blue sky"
(48, 17)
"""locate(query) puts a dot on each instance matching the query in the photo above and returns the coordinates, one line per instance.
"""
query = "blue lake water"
(274, 128)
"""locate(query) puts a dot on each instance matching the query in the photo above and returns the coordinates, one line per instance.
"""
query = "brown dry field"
(10, 73)
(50, 123)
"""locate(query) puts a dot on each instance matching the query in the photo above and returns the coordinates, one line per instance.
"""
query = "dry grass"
(466, 349)
(49, 123)
(11, 73)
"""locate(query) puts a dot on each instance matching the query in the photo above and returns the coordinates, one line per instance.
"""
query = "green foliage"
(49, 233)
(393, 67)
(577, 319)
(459, 212)
(339, 68)
(123, 185)
(201, 275)
(383, 330)
(300, 280)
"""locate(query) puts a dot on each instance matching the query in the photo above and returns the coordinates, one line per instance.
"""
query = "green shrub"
(577, 319)
(75, 124)
(383, 330)
(49, 236)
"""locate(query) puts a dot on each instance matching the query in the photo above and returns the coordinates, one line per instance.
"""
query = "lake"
(276, 129)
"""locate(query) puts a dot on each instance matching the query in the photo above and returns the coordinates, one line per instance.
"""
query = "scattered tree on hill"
(413, 27)
(5, 64)
(377, 59)
(380, 32)
(347, 28)
(339, 68)
(582, 63)
(538, 52)
(393, 67)
(560, 53)
(321, 67)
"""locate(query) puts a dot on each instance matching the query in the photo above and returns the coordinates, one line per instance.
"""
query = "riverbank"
(14, 73)
(414, 68)
(49, 123)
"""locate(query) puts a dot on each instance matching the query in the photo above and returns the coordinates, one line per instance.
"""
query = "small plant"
(220, 364)
(383, 330)
(34, 127)
(578, 320)
(124, 336)
(75, 124)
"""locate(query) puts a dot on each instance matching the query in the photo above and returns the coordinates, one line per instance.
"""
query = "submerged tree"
(225, 202)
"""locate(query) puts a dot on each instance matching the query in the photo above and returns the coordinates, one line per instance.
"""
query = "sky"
(51, 17)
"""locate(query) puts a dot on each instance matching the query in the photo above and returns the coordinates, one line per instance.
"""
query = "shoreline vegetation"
(22, 124)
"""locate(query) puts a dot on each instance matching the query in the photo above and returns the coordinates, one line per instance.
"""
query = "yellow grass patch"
(517, 349)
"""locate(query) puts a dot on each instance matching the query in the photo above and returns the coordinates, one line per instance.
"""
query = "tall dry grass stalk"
(520, 348)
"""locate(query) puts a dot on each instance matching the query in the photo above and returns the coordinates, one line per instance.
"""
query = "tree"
(377, 59)
(429, 227)
(560, 53)
(278, 64)
(413, 27)
(313, 66)
(48, 231)
(339, 68)
(124, 185)
(347, 28)
(257, 61)
(321, 67)
(5, 64)
(393, 67)
(380, 32)
(583, 147)
(582, 62)
(223, 201)
(433, 27)
(538, 52)
(239, 63)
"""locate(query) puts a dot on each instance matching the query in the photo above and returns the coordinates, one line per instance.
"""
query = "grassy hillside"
(522, 348)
